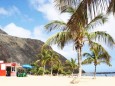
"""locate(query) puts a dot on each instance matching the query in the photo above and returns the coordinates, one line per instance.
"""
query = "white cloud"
(37, 2)
(14, 11)
(68, 51)
(39, 33)
(49, 10)
(3, 11)
(14, 30)
(18, 31)
(9, 11)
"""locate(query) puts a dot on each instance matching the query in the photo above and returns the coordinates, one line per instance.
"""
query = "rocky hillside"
(21, 50)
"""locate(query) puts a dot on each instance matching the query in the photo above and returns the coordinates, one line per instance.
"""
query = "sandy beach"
(55, 81)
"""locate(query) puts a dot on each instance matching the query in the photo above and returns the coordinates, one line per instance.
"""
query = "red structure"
(8, 69)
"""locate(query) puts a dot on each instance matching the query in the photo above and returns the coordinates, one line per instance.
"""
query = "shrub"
(40, 71)
(47, 72)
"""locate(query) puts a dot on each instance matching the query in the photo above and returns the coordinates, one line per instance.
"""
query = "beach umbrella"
(27, 66)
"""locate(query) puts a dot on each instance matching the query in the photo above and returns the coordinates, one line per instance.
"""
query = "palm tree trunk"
(44, 69)
(51, 70)
(78, 55)
(72, 73)
(79, 62)
(95, 72)
(57, 72)
(79, 52)
(79, 67)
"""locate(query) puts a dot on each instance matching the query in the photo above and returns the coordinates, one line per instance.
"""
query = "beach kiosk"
(8, 69)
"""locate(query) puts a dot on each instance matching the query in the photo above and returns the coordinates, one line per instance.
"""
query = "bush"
(68, 72)
(34, 70)
(47, 72)
(64, 73)
(40, 71)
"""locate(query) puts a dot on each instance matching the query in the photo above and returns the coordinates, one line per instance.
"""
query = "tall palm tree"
(52, 59)
(48, 56)
(78, 36)
(72, 64)
(44, 58)
(98, 54)
(58, 66)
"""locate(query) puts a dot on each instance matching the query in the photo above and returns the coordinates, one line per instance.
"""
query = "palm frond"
(105, 56)
(71, 63)
(60, 39)
(62, 4)
(78, 19)
(98, 20)
(102, 36)
(87, 55)
(89, 60)
(92, 6)
(111, 7)
(102, 53)
(55, 25)
(70, 10)
(108, 63)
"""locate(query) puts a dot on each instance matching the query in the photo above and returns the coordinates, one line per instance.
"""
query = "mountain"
(20, 50)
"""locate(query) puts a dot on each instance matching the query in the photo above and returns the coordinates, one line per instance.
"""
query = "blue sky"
(26, 19)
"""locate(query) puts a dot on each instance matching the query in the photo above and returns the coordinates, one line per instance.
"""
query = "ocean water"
(102, 74)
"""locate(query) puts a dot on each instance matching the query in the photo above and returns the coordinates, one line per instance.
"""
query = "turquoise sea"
(99, 74)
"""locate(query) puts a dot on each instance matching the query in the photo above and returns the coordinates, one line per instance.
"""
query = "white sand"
(55, 81)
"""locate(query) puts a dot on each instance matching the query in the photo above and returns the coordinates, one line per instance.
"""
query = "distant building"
(8, 69)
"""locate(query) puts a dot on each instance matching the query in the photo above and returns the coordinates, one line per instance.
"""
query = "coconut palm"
(98, 54)
(48, 56)
(52, 59)
(78, 36)
(84, 11)
(72, 64)
(44, 58)
(58, 66)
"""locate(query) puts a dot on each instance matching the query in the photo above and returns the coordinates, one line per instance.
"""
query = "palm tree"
(78, 36)
(52, 59)
(58, 66)
(48, 56)
(98, 54)
(44, 58)
(91, 7)
(72, 64)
